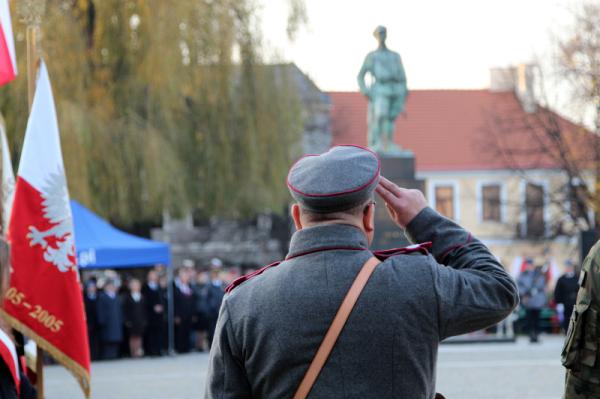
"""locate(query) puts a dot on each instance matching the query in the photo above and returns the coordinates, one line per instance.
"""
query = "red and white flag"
(8, 178)
(44, 301)
(8, 60)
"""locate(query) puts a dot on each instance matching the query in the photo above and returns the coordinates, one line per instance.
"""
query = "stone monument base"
(400, 169)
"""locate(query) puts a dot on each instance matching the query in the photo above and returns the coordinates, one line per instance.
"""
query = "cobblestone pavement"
(502, 371)
(465, 371)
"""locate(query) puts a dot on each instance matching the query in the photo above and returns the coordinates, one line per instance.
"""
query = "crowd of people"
(130, 318)
(534, 289)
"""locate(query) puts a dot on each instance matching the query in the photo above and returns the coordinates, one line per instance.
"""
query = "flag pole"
(32, 63)
(31, 13)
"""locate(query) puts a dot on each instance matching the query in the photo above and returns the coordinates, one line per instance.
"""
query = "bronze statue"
(387, 93)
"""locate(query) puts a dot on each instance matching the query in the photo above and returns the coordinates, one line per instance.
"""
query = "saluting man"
(276, 336)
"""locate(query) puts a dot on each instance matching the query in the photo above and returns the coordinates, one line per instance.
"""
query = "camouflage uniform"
(580, 352)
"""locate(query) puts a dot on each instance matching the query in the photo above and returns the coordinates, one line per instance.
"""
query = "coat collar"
(326, 237)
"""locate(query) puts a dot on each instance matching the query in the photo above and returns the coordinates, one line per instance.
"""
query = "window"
(490, 206)
(444, 200)
(577, 200)
(534, 211)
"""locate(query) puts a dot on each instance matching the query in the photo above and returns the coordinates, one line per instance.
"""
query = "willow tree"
(164, 105)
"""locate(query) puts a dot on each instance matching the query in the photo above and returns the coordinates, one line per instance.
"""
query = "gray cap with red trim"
(338, 180)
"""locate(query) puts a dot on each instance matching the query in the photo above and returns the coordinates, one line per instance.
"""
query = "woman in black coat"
(134, 312)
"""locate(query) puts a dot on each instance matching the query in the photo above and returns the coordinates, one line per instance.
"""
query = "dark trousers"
(567, 317)
(183, 331)
(533, 323)
(110, 350)
(94, 345)
(153, 339)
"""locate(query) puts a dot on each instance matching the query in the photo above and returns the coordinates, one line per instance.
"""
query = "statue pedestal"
(399, 168)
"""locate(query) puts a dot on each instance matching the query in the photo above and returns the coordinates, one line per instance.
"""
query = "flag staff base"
(39, 370)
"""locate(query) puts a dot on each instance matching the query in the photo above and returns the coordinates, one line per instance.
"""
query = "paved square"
(466, 371)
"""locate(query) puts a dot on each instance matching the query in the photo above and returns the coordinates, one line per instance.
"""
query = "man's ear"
(369, 218)
(295, 211)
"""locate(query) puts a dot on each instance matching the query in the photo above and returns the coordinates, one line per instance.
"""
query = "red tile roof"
(451, 129)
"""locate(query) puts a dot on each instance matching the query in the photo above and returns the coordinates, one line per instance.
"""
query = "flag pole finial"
(30, 12)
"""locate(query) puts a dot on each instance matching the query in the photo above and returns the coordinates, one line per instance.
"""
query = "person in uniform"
(90, 299)
(155, 311)
(565, 294)
(532, 288)
(213, 296)
(580, 352)
(110, 321)
(14, 383)
(272, 322)
(184, 302)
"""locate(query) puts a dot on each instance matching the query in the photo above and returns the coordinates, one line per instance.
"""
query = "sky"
(444, 44)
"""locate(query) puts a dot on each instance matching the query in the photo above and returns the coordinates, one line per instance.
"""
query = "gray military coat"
(270, 326)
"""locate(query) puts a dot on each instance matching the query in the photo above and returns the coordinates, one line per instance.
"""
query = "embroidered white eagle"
(60, 250)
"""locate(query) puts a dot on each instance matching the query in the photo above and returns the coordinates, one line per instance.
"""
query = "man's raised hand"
(402, 204)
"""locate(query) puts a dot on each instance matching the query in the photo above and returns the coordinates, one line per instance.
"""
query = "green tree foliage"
(163, 105)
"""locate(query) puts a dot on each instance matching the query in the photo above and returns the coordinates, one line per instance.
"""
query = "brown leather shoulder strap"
(336, 328)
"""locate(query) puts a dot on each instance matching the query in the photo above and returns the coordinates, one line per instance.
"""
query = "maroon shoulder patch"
(388, 253)
(248, 276)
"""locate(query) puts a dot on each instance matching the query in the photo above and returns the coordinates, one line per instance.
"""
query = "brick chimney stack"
(517, 79)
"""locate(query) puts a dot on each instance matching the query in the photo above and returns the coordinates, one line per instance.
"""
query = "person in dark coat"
(201, 324)
(271, 323)
(134, 314)
(110, 320)
(155, 314)
(90, 299)
(565, 293)
(185, 307)
(532, 288)
(163, 282)
(213, 297)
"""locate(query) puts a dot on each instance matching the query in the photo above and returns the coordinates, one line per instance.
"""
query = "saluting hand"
(402, 204)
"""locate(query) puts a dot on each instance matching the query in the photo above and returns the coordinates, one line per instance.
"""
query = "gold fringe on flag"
(80, 373)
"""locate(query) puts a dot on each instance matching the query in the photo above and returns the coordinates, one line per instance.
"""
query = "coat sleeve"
(472, 288)
(226, 376)
(559, 296)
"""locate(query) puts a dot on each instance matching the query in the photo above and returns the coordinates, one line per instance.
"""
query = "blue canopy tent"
(100, 245)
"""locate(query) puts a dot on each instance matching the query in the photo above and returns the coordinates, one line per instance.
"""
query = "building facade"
(485, 163)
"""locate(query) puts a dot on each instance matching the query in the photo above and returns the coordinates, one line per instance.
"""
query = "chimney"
(517, 79)
(502, 79)
(524, 87)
